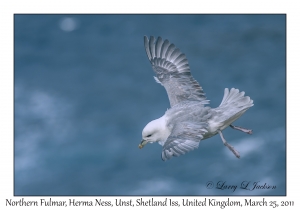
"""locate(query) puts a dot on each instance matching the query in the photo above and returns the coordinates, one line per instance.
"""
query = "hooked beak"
(142, 144)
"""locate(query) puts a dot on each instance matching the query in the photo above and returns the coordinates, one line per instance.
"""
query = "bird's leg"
(231, 148)
(245, 130)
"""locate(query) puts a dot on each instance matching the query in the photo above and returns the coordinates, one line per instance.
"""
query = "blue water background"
(84, 90)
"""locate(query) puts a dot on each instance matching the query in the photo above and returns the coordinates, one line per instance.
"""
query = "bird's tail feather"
(235, 98)
(233, 105)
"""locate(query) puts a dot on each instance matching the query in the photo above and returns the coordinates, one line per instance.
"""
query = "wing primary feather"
(179, 59)
(182, 62)
(152, 47)
(174, 55)
(170, 49)
(146, 43)
(158, 47)
(164, 48)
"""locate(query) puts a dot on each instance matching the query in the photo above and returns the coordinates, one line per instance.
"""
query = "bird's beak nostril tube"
(142, 144)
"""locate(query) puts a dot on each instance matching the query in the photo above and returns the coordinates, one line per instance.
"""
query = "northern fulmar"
(189, 120)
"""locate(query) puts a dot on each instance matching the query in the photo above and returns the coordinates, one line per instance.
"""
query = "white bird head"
(155, 131)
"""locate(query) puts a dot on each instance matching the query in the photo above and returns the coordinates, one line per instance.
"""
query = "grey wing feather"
(173, 71)
(187, 131)
(184, 142)
(176, 147)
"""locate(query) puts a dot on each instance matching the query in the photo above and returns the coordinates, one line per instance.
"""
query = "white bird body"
(188, 121)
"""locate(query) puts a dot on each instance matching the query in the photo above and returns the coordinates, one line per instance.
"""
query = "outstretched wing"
(187, 130)
(184, 142)
(173, 71)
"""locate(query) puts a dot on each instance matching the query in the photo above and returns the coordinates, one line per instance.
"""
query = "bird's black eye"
(148, 135)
